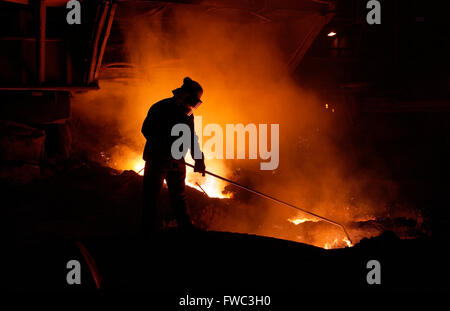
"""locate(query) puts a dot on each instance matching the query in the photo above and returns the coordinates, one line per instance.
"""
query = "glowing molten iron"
(210, 185)
(299, 220)
(328, 245)
(336, 242)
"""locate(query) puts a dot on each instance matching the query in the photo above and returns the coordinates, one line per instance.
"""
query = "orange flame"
(138, 166)
(213, 187)
(336, 242)
(300, 220)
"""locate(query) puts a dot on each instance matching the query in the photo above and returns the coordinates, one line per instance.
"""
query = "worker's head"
(189, 94)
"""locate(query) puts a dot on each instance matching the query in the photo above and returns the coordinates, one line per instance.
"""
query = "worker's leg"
(153, 180)
(175, 183)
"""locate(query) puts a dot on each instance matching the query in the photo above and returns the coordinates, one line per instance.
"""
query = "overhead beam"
(99, 25)
(71, 88)
(18, 1)
(112, 11)
(308, 40)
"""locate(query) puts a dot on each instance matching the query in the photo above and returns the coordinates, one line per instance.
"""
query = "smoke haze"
(245, 78)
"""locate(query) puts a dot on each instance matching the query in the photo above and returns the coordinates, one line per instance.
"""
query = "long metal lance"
(277, 200)
(198, 185)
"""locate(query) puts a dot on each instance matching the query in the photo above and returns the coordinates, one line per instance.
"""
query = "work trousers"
(154, 175)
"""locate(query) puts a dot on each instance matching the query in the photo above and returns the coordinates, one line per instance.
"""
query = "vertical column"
(40, 41)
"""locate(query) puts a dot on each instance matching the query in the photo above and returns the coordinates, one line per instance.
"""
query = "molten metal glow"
(139, 166)
(349, 244)
(210, 186)
(213, 187)
(338, 244)
(300, 220)
(344, 242)
(331, 34)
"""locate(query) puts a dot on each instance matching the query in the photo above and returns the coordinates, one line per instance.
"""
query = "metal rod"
(277, 200)
(202, 189)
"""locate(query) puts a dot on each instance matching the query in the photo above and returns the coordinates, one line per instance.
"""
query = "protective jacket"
(157, 128)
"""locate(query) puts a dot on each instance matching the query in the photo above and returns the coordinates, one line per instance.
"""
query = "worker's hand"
(199, 166)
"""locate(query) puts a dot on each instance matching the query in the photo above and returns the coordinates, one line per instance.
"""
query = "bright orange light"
(331, 34)
(338, 244)
(300, 220)
(349, 244)
(212, 186)
(139, 166)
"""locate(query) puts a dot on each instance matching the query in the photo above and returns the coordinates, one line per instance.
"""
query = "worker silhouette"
(160, 164)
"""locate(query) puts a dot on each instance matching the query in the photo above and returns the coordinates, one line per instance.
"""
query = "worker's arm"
(196, 152)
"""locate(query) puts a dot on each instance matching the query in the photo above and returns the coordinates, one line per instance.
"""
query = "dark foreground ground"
(66, 217)
(223, 262)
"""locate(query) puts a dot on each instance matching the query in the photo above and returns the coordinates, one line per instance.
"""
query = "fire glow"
(211, 186)
(344, 242)
(300, 220)
(214, 189)
(235, 92)
(335, 244)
